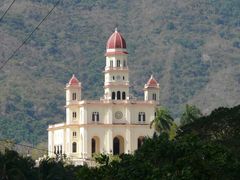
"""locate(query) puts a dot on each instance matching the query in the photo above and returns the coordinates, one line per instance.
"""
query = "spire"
(116, 29)
(73, 81)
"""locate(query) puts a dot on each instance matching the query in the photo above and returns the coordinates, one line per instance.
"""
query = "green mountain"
(192, 48)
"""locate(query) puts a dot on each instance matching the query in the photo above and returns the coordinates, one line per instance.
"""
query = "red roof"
(152, 82)
(73, 81)
(116, 41)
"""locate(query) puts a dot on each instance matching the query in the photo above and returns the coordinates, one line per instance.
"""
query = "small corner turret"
(151, 90)
(73, 90)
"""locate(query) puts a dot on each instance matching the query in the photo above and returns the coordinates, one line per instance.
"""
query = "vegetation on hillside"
(192, 48)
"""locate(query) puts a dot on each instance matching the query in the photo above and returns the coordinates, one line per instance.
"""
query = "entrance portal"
(95, 145)
(118, 145)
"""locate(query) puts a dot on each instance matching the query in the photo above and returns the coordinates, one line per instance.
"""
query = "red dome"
(116, 41)
(73, 81)
(152, 82)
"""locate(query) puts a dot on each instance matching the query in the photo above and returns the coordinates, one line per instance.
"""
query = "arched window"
(123, 95)
(113, 78)
(140, 141)
(74, 147)
(93, 145)
(123, 78)
(118, 95)
(118, 63)
(113, 95)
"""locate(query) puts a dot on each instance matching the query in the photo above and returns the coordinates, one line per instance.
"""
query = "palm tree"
(162, 121)
(190, 114)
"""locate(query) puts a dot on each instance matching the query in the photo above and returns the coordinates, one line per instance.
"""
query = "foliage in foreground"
(205, 149)
(187, 157)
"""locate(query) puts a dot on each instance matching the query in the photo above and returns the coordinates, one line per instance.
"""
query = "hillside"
(191, 47)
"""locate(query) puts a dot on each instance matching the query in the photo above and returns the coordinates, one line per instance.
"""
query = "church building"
(114, 124)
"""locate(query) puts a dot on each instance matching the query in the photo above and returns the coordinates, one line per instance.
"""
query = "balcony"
(107, 69)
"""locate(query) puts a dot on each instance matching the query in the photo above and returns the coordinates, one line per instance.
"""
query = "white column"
(128, 148)
(109, 141)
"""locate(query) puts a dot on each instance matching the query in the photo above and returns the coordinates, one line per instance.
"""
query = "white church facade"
(114, 124)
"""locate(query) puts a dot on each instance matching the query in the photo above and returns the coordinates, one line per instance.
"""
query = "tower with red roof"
(151, 90)
(116, 85)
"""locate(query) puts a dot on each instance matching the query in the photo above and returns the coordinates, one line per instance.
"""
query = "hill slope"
(192, 47)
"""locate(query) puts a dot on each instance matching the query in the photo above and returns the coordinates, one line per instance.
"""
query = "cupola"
(116, 44)
(73, 81)
(152, 83)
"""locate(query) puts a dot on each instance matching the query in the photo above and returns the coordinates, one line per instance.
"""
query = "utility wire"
(32, 147)
(7, 10)
(23, 145)
(28, 37)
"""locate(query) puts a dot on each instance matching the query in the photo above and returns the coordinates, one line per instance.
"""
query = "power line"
(23, 145)
(28, 37)
(32, 147)
(7, 10)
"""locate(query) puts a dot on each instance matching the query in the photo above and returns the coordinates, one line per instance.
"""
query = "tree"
(163, 121)
(191, 114)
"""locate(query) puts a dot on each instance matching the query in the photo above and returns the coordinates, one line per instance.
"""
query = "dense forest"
(192, 48)
(207, 148)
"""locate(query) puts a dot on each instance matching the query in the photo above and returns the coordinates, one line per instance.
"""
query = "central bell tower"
(116, 83)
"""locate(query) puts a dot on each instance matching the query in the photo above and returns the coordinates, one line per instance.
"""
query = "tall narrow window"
(113, 95)
(111, 63)
(57, 149)
(118, 63)
(113, 78)
(74, 96)
(95, 116)
(154, 96)
(60, 149)
(123, 78)
(140, 141)
(74, 147)
(74, 115)
(74, 134)
(123, 95)
(118, 95)
(141, 117)
(93, 146)
(124, 63)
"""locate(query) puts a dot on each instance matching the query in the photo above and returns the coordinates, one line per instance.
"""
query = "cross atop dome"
(116, 41)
